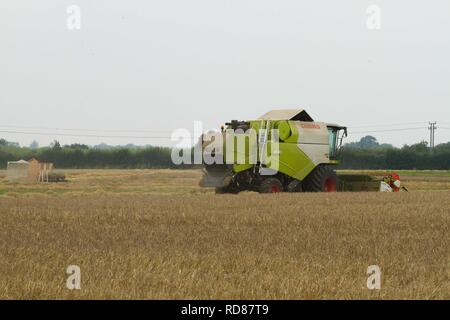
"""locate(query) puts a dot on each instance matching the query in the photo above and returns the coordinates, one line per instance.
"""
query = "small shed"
(17, 170)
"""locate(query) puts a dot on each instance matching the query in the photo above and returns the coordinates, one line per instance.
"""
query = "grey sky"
(160, 65)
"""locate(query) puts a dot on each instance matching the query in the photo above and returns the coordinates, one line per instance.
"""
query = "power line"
(165, 137)
(157, 131)
(388, 125)
(164, 132)
(387, 130)
(92, 136)
(81, 130)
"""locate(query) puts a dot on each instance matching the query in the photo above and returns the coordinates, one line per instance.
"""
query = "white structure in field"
(17, 170)
(32, 171)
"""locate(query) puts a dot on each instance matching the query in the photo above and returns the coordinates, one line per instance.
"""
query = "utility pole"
(432, 129)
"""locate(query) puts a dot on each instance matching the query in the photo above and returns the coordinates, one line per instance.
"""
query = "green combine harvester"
(282, 151)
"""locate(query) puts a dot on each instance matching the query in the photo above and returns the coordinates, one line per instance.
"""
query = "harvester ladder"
(263, 138)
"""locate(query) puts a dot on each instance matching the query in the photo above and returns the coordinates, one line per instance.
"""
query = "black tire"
(322, 179)
(270, 185)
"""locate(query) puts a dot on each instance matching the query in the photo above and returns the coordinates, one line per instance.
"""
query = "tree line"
(369, 154)
(78, 156)
(365, 154)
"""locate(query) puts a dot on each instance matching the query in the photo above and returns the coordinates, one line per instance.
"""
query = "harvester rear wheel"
(322, 179)
(270, 185)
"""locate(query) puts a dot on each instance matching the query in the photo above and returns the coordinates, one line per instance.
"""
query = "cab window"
(332, 136)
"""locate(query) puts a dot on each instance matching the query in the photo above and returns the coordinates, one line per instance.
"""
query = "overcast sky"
(160, 65)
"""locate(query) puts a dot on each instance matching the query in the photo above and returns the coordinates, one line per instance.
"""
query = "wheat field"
(154, 234)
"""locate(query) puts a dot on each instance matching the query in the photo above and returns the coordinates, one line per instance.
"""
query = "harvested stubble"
(205, 246)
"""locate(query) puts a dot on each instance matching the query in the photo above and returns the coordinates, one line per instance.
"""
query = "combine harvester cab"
(283, 150)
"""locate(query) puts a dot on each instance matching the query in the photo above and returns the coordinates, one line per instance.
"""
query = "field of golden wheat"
(154, 234)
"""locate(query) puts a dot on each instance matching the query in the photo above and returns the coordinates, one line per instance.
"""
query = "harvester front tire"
(322, 179)
(270, 185)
